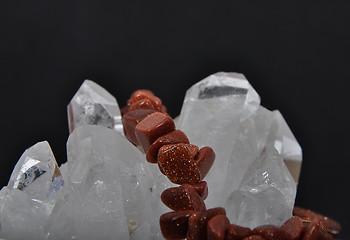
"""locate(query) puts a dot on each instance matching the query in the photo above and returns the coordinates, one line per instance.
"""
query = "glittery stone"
(152, 127)
(237, 232)
(173, 137)
(217, 227)
(177, 164)
(269, 232)
(184, 197)
(144, 99)
(292, 228)
(197, 223)
(204, 160)
(195, 230)
(131, 119)
(254, 237)
(312, 231)
(202, 189)
(174, 225)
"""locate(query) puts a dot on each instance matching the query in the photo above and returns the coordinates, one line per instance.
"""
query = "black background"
(296, 54)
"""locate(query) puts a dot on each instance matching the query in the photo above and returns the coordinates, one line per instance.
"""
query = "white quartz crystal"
(252, 144)
(211, 115)
(107, 189)
(31, 194)
(94, 105)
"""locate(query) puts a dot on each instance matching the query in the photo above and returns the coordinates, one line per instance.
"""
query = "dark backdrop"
(296, 54)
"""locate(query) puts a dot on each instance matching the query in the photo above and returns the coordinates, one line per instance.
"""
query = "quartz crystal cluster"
(107, 190)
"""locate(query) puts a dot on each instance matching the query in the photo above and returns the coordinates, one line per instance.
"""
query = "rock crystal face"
(107, 189)
(93, 105)
(250, 177)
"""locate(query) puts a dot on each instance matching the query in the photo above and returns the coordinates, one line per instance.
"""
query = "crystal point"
(36, 171)
(93, 105)
(257, 157)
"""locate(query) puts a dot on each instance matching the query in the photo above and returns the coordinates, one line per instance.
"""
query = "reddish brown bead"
(254, 237)
(197, 224)
(292, 228)
(213, 212)
(142, 104)
(269, 232)
(217, 227)
(326, 223)
(202, 189)
(145, 101)
(174, 225)
(163, 109)
(312, 231)
(236, 232)
(204, 160)
(184, 197)
(177, 163)
(152, 127)
(141, 93)
(131, 119)
(173, 137)
(333, 226)
(195, 229)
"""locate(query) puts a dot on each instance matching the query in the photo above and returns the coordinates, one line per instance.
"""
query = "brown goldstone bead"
(312, 231)
(204, 160)
(173, 137)
(142, 104)
(163, 109)
(177, 163)
(217, 227)
(326, 224)
(174, 225)
(292, 228)
(269, 232)
(236, 232)
(145, 101)
(195, 229)
(138, 95)
(184, 197)
(131, 119)
(197, 223)
(141, 93)
(254, 237)
(202, 189)
(152, 127)
(333, 226)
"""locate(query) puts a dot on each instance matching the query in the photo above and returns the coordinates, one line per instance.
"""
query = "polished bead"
(204, 160)
(237, 232)
(217, 227)
(130, 120)
(177, 163)
(269, 232)
(173, 137)
(184, 197)
(292, 228)
(202, 189)
(152, 127)
(174, 225)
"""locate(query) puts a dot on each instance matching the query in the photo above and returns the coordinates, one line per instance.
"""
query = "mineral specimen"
(251, 145)
(107, 189)
(93, 105)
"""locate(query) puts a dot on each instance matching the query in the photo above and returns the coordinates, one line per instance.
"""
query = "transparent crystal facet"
(257, 157)
(210, 116)
(93, 105)
(108, 178)
(36, 171)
